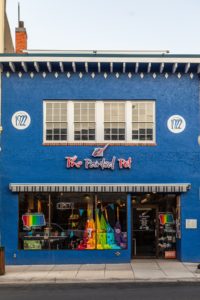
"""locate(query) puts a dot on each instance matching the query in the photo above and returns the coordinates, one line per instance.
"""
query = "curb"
(100, 281)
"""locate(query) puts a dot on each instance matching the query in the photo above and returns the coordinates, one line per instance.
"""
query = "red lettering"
(72, 163)
(125, 164)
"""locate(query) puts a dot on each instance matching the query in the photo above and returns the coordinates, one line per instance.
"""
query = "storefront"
(100, 158)
(120, 219)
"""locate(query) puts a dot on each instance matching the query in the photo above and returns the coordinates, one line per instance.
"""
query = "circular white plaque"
(21, 120)
(176, 124)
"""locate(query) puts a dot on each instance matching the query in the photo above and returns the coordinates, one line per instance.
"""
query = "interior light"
(87, 197)
(144, 200)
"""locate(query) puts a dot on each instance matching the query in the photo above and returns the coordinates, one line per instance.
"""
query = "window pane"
(84, 105)
(114, 131)
(49, 106)
(64, 106)
(149, 131)
(142, 137)
(149, 118)
(84, 131)
(114, 112)
(92, 115)
(91, 137)
(142, 131)
(49, 116)
(142, 118)
(49, 137)
(135, 126)
(91, 131)
(149, 137)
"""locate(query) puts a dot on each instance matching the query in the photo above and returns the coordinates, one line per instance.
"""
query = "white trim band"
(93, 188)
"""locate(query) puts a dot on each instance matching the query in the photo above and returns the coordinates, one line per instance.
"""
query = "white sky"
(110, 24)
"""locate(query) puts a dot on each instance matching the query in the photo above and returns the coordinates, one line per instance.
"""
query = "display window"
(72, 221)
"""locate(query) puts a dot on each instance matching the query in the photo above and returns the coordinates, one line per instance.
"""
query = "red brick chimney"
(20, 38)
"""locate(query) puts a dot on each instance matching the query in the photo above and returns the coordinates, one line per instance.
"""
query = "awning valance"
(93, 188)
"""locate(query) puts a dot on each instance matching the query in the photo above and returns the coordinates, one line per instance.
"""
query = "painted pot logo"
(176, 124)
(103, 164)
(21, 120)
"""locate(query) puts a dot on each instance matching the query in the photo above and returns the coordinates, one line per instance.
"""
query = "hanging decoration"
(81, 211)
(166, 218)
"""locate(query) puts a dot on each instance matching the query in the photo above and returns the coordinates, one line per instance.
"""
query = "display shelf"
(167, 240)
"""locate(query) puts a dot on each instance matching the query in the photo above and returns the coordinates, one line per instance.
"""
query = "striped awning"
(94, 188)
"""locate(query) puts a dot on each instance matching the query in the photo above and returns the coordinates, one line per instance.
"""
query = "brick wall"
(20, 40)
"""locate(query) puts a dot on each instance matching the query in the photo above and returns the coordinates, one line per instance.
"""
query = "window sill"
(99, 144)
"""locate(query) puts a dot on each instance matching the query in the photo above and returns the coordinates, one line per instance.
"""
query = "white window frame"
(95, 115)
(45, 122)
(153, 141)
(99, 120)
(116, 141)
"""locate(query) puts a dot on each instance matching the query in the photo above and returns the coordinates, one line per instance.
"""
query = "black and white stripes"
(101, 188)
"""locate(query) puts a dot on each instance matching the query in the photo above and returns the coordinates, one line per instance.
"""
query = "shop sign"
(65, 205)
(21, 120)
(176, 124)
(144, 221)
(102, 164)
(191, 223)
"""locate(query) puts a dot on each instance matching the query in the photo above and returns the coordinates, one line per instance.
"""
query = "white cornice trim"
(100, 59)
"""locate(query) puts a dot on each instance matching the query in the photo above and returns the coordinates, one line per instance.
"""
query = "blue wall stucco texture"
(174, 159)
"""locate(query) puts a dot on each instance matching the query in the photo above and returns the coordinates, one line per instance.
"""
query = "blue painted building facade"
(169, 165)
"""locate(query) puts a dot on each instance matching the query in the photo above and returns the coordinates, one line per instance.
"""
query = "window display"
(72, 221)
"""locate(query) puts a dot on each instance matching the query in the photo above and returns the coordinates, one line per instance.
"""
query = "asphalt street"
(111, 291)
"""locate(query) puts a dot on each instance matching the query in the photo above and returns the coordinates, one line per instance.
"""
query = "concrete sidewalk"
(137, 271)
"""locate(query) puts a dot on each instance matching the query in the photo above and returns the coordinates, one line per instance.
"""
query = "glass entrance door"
(144, 231)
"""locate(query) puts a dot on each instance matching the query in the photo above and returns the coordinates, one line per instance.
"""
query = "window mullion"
(154, 122)
(128, 119)
(99, 121)
(44, 121)
(70, 121)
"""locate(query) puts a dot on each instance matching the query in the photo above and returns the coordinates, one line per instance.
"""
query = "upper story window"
(142, 121)
(114, 121)
(56, 121)
(99, 121)
(84, 121)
